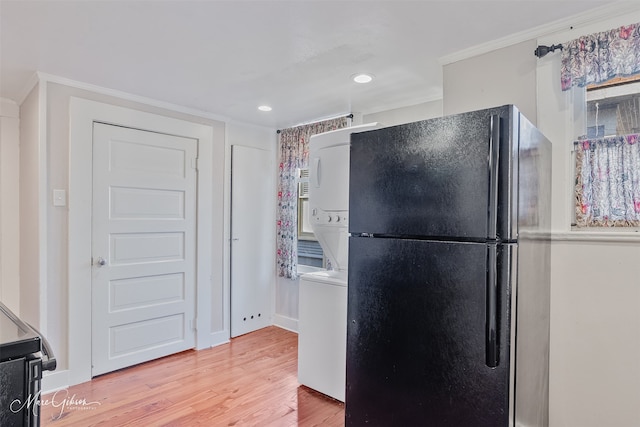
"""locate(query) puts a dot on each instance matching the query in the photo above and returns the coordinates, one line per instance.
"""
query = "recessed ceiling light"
(264, 108)
(362, 78)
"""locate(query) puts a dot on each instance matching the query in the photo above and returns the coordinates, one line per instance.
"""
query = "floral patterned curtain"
(608, 182)
(599, 57)
(294, 154)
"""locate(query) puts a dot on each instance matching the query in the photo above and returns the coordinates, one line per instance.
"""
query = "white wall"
(9, 205)
(412, 113)
(45, 135)
(30, 309)
(286, 303)
(503, 76)
(595, 334)
(595, 329)
(45, 114)
(595, 292)
(264, 139)
(286, 294)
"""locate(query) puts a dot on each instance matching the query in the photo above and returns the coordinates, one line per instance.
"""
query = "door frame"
(82, 114)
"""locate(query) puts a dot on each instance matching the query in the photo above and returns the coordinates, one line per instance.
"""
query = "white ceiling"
(228, 57)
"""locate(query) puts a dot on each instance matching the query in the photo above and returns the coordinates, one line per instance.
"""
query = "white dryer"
(322, 308)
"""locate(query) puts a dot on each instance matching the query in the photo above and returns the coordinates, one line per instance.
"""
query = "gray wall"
(30, 221)
(595, 290)
(595, 318)
(286, 294)
(44, 262)
(408, 114)
(503, 76)
(10, 205)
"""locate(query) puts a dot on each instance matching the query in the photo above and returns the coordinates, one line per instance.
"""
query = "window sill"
(622, 235)
(303, 269)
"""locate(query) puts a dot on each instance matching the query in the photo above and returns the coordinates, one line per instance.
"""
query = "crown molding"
(40, 77)
(27, 88)
(8, 108)
(594, 15)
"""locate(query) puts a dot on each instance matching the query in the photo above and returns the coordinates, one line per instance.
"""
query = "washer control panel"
(335, 218)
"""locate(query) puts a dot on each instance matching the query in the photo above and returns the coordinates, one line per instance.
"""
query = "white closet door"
(143, 246)
(252, 263)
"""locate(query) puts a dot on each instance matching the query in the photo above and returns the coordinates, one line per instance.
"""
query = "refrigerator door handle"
(494, 158)
(491, 325)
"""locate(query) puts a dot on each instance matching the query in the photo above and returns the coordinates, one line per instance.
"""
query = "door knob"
(101, 261)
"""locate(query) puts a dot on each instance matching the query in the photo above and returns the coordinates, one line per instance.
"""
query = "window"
(596, 131)
(293, 155)
(608, 157)
(309, 250)
(613, 108)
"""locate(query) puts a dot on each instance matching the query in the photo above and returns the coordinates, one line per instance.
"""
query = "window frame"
(303, 220)
(303, 199)
(620, 86)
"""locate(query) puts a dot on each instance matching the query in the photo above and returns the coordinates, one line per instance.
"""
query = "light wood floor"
(251, 381)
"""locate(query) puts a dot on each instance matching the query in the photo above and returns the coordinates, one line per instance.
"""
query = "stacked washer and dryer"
(322, 309)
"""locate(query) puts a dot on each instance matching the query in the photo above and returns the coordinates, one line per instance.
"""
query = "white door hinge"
(194, 163)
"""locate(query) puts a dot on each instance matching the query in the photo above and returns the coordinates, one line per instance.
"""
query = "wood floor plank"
(252, 381)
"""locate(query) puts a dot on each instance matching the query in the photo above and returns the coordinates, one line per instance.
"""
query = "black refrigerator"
(448, 278)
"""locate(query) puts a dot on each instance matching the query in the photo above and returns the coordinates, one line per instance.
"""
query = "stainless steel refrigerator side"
(513, 280)
(532, 339)
(534, 180)
(533, 287)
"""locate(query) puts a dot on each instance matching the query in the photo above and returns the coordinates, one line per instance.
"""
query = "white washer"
(322, 332)
(322, 307)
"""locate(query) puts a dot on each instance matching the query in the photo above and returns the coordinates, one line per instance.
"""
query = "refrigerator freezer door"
(416, 335)
(432, 178)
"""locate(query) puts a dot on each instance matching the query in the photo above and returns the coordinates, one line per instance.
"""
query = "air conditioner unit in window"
(303, 183)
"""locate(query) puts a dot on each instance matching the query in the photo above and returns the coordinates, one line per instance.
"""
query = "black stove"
(16, 337)
(24, 354)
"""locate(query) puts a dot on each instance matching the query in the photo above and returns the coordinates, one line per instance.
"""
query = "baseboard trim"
(285, 322)
(52, 381)
(219, 338)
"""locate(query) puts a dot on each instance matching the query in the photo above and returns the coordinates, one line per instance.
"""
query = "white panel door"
(251, 243)
(143, 246)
